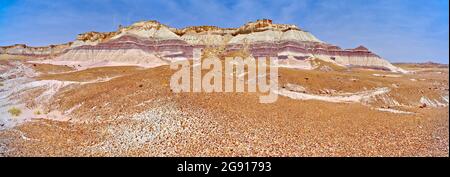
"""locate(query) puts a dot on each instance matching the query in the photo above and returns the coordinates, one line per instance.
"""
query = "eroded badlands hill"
(109, 94)
(152, 43)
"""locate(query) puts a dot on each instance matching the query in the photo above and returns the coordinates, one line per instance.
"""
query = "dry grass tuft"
(15, 111)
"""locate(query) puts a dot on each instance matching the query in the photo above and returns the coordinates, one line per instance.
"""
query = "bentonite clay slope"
(151, 38)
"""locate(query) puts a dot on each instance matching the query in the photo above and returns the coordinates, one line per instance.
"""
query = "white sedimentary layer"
(10, 94)
(445, 99)
(160, 32)
(361, 61)
(294, 63)
(291, 53)
(358, 97)
(434, 102)
(78, 43)
(264, 36)
(15, 89)
(204, 39)
(121, 56)
(296, 35)
(394, 111)
(338, 60)
(273, 36)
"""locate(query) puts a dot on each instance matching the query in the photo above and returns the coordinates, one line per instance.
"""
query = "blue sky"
(398, 30)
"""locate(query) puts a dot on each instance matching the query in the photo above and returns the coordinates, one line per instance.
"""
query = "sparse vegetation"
(1, 84)
(37, 112)
(15, 111)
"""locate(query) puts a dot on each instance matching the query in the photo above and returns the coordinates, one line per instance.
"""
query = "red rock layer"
(183, 49)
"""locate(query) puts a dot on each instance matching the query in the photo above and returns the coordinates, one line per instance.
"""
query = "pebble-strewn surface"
(136, 114)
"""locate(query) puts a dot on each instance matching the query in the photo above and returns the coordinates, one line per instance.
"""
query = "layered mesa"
(152, 43)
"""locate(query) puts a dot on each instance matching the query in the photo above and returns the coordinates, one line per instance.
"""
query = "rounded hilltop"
(263, 25)
(145, 25)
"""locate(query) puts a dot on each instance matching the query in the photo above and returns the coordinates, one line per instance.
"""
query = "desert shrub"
(15, 111)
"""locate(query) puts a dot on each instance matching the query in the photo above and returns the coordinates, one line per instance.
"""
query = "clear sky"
(398, 30)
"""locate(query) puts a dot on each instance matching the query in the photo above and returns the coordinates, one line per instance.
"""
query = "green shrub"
(15, 111)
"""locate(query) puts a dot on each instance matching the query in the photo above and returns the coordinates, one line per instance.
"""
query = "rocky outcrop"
(92, 38)
(261, 38)
(148, 29)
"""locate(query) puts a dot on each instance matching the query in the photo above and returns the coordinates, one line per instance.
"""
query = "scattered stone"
(295, 88)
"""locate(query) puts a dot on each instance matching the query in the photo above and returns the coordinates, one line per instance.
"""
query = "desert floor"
(131, 111)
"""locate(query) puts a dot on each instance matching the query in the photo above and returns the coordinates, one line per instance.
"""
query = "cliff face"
(261, 38)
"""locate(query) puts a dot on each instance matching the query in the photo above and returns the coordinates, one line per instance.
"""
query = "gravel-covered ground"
(134, 113)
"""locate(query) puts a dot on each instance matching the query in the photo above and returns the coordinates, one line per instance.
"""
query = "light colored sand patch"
(358, 97)
(8, 120)
(18, 82)
(387, 100)
(51, 88)
(434, 102)
(445, 98)
(394, 111)
(15, 77)
(387, 75)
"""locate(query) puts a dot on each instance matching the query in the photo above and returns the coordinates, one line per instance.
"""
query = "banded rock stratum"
(150, 43)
